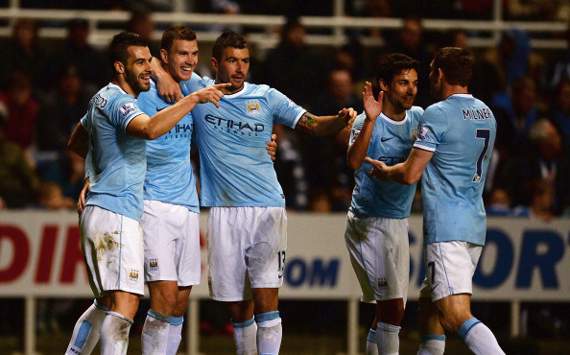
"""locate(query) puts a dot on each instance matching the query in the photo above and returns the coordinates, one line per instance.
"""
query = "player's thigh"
(187, 250)
(159, 240)
(267, 253)
(450, 268)
(113, 248)
(379, 253)
(227, 243)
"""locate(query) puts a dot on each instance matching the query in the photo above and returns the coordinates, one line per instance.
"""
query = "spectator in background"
(516, 115)
(561, 111)
(410, 42)
(511, 55)
(543, 200)
(293, 68)
(18, 181)
(77, 52)
(141, 23)
(23, 54)
(325, 157)
(545, 161)
(22, 111)
(62, 110)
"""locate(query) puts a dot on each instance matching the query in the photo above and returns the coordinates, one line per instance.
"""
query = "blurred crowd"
(45, 87)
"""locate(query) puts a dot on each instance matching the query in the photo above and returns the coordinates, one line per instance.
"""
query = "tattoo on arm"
(307, 121)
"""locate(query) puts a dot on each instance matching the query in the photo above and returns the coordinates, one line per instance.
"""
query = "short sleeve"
(431, 129)
(84, 121)
(122, 111)
(356, 128)
(283, 109)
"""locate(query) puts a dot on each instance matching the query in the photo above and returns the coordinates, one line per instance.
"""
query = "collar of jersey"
(239, 93)
(460, 95)
(118, 87)
(385, 117)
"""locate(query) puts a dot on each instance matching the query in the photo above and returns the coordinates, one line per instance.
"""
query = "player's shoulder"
(107, 96)
(259, 89)
(415, 112)
(435, 109)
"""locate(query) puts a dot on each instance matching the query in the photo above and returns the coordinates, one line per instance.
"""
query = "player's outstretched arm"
(372, 107)
(325, 125)
(151, 128)
(79, 141)
(408, 172)
(167, 87)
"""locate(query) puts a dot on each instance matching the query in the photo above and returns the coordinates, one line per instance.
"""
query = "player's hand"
(379, 169)
(168, 89)
(83, 196)
(211, 94)
(372, 107)
(272, 147)
(347, 115)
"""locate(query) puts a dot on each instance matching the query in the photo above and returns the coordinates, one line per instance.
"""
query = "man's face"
(435, 80)
(233, 67)
(182, 59)
(403, 89)
(340, 84)
(137, 70)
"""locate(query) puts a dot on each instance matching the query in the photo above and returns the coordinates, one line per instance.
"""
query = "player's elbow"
(150, 132)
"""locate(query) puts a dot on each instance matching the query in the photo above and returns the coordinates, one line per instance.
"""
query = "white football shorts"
(379, 250)
(246, 249)
(450, 268)
(171, 243)
(113, 248)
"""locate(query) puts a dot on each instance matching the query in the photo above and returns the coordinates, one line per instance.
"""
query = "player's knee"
(452, 320)
(391, 311)
(164, 303)
(180, 308)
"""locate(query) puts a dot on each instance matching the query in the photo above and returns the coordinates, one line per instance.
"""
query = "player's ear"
(164, 55)
(440, 74)
(383, 85)
(119, 67)
(214, 64)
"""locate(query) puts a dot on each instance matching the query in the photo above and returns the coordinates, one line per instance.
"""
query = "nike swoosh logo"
(384, 139)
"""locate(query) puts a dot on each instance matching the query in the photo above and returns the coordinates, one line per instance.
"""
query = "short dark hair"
(173, 33)
(120, 43)
(228, 39)
(456, 63)
(392, 64)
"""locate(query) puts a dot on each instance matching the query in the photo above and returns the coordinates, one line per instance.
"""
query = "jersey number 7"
(482, 134)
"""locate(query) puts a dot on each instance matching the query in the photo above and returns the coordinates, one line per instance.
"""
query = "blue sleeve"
(432, 129)
(84, 121)
(356, 128)
(284, 110)
(122, 110)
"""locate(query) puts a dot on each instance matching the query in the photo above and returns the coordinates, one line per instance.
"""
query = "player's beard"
(135, 84)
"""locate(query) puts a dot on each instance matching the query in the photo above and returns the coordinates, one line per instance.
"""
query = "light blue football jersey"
(235, 168)
(169, 174)
(116, 161)
(461, 132)
(391, 142)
